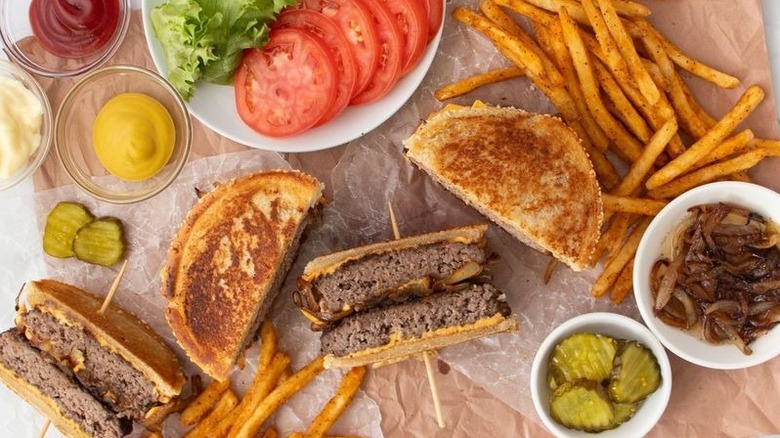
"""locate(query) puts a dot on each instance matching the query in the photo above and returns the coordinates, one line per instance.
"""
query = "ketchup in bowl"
(74, 28)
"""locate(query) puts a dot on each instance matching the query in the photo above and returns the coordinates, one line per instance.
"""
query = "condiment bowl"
(687, 345)
(618, 327)
(35, 160)
(74, 123)
(24, 48)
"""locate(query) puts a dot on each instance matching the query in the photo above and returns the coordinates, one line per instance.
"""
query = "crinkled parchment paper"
(483, 384)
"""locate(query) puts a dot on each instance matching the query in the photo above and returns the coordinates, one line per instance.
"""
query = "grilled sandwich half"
(228, 260)
(526, 172)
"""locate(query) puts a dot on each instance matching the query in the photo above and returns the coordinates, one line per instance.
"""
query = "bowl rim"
(10, 49)
(112, 70)
(717, 191)
(47, 135)
(570, 326)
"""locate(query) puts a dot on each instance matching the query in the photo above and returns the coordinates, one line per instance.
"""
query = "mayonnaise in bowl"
(21, 117)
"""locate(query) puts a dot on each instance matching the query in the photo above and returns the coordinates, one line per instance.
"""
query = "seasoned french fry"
(709, 173)
(264, 382)
(284, 376)
(612, 56)
(626, 45)
(625, 144)
(627, 204)
(276, 398)
(296, 435)
(154, 435)
(628, 114)
(655, 73)
(508, 44)
(695, 67)
(204, 402)
(771, 146)
(732, 145)
(704, 116)
(269, 345)
(337, 404)
(605, 171)
(471, 83)
(493, 12)
(612, 269)
(271, 432)
(623, 284)
(641, 167)
(203, 430)
(535, 14)
(681, 164)
(742, 175)
(611, 239)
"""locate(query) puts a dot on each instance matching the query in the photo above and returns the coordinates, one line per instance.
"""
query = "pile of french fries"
(614, 79)
(218, 412)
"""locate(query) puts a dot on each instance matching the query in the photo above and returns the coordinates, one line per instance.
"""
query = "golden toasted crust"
(401, 349)
(119, 331)
(226, 261)
(528, 173)
(44, 404)
(331, 262)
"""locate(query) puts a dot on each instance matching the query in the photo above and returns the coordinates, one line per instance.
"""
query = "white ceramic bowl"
(618, 327)
(751, 196)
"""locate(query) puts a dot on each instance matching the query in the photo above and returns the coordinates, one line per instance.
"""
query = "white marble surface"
(21, 256)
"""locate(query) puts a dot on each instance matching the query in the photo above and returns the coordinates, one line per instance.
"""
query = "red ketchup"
(74, 28)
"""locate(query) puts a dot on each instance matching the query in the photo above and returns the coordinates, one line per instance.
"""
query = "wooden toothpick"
(114, 287)
(426, 354)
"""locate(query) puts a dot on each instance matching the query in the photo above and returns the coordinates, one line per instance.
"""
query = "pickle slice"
(62, 223)
(582, 356)
(623, 413)
(101, 242)
(637, 374)
(582, 405)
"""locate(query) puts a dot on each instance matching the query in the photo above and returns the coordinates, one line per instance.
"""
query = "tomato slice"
(412, 18)
(331, 35)
(357, 24)
(389, 68)
(287, 86)
(435, 9)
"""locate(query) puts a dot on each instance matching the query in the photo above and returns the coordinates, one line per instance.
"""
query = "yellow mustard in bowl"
(133, 136)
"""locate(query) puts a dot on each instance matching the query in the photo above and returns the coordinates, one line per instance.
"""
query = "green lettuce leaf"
(203, 39)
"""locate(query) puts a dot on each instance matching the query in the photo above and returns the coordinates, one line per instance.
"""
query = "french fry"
(508, 44)
(682, 163)
(203, 402)
(732, 145)
(612, 269)
(623, 284)
(203, 430)
(493, 12)
(337, 404)
(284, 376)
(471, 83)
(296, 435)
(554, 37)
(628, 114)
(709, 173)
(695, 67)
(625, 144)
(642, 166)
(271, 432)
(276, 398)
(704, 116)
(264, 382)
(533, 13)
(626, 45)
(771, 146)
(660, 81)
(605, 171)
(614, 235)
(154, 435)
(613, 58)
(269, 345)
(627, 204)
(742, 176)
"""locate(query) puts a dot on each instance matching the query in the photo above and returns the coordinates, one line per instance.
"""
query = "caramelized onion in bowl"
(720, 276)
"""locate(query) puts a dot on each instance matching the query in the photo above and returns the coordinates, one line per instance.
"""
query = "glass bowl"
(22, 46)
(35, 160)
(73, 132)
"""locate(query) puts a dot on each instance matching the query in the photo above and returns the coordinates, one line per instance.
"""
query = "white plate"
(215, 107)
(685, 345)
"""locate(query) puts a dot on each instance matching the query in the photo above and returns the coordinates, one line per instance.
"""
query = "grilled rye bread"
(228, 260)
(527, 172)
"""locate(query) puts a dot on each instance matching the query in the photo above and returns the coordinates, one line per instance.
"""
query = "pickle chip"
(62, 223)
(582, 405)
(623, 412)
(637, 374)
(101, 242)
(582, 356)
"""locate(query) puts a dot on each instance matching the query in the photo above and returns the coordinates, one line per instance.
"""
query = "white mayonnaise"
(21, 116)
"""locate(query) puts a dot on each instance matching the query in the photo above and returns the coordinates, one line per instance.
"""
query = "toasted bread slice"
(528, 173)
(227, 261)
(117, 330)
